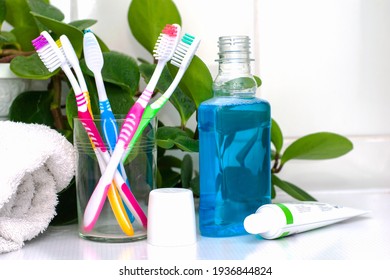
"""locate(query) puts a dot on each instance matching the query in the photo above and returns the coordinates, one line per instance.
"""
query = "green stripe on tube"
(287, 213)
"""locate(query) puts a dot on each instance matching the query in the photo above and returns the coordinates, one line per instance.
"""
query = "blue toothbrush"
(94, 60)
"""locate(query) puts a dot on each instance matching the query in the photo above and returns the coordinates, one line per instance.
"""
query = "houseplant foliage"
(16, 13)
(122, 74)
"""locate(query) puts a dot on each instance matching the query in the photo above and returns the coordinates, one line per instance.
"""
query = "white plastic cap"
(171, 217)
(259, 223)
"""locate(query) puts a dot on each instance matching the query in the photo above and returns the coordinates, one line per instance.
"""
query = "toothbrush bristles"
(39, 42)
(182, 49)
(166, 42)
(48, 51)
(170, 30)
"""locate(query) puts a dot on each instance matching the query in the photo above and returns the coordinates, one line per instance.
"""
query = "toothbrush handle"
(129, 126)
(119, 210)
(109, 124)
(114, 199)
(110, 130)
(93, 208)
(92, 131)
(88, 100)
(131, 123)
(96, 203)
(132, 203)
(148, 114)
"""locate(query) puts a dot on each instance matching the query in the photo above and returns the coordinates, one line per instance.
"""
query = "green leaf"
(147, 18)
(7, 37)
(186, 171)
(321, 145)
(60, 28)
(195, 185)
(169, 137)
(3, 11)
(24, 35)
(168, 177)
(168, 162)
(273, 191)
(26, 28)
(118, 69)
(120, 99)
(45, 9)
(166, 133)
(165, 136)
(291, 189)
(30, 67)
(32, 107)
(197, 82)
(187, 144)
(166, 143)
(83, 24)
(258, 81)
(18, 13)
(240, 83)
(276, 136)
(183, 104)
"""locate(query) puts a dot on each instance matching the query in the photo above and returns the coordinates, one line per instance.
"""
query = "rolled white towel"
(36, 162)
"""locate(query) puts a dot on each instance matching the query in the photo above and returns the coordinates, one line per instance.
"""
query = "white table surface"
(361, 238)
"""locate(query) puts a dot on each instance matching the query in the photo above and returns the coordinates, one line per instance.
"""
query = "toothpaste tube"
(273, 221)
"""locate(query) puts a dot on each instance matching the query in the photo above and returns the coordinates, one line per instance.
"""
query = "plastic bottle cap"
(171, 217)
(258, 223)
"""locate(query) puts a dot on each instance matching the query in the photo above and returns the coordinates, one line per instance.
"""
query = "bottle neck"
(234, 73)
(234, 67)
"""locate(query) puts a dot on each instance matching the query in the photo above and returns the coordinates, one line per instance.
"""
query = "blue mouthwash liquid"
(234, 162)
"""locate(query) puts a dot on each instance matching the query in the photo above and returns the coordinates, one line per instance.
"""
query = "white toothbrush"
(73, 61)
(95, 61)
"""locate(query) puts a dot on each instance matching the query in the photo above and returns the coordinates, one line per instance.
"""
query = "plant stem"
(55, 106)
(277, 167)
(6, 55)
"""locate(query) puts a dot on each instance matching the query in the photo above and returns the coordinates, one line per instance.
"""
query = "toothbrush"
(164, 50)
(94, 60)
(182, 58)
(53, 58)
(66, 46)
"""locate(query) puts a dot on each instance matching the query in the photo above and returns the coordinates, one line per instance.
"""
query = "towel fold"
(36, 162)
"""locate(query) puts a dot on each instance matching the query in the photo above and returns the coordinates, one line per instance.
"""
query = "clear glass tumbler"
(116, 222)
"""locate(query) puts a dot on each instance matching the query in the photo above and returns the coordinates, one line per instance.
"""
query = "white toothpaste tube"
(273, 221)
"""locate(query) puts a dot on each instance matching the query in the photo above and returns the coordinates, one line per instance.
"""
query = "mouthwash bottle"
(234, 145)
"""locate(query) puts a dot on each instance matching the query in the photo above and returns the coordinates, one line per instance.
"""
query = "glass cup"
(116, 222)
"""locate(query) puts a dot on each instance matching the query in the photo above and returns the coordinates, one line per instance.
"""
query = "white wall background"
(325, 66)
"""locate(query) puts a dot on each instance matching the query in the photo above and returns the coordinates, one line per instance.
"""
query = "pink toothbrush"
(163, 51)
